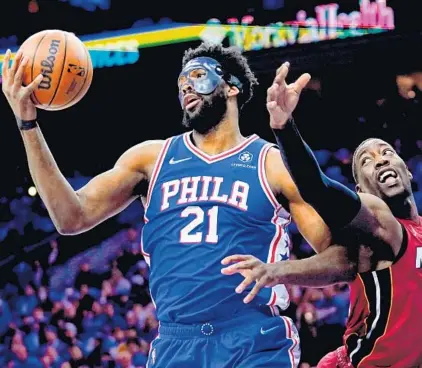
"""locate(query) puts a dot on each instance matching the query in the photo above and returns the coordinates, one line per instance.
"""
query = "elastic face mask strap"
(233, 81)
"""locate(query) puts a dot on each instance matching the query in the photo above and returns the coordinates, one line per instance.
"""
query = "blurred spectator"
(85, 276)
(26, 303)
(5, 316)
(120, 285)
(23, 273)
(40, 277)
(52, 258)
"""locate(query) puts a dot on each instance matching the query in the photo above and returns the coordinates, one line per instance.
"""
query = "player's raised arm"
(72, 212)
(337, 205)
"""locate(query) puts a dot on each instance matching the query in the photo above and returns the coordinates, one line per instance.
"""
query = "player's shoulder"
(148, 148)
(276, 172)
(261, 144)
(375, 212)
(376, 217)
(256, 139)
(142, 155)
(274, 159)
(145, 154)
(374, 203)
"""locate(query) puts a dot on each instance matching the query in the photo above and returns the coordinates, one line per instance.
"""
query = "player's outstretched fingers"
(235, 258)
(18, 79)
(14, 67)
(273, 92)
(5, 66)
(239, 267)
(244, 284)
(282, 72)
(301, 83)
(255, 290)
(30, 88)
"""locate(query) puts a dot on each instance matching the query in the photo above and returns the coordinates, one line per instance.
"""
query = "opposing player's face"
(202, 112)
(382, 172)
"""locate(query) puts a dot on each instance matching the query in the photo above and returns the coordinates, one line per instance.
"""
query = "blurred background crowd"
(95, 318)
(94, 309)
(83, 301)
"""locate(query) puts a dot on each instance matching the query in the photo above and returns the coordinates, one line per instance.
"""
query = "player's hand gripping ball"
(52, 69)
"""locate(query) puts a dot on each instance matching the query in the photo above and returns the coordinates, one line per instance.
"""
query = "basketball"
(65, 64)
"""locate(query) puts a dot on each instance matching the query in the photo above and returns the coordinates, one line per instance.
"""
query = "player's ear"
(232, 91)
(358, 190)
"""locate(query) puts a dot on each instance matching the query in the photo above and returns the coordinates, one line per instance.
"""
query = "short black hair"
(232, 61)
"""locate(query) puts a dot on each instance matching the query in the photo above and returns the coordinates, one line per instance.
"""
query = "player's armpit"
(376, 223)
(110, 192)
(309, 222)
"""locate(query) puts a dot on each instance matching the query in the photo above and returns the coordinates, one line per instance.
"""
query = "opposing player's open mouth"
(387, 176)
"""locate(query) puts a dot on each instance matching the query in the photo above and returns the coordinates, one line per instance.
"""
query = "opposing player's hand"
(19, 96)
(282, 98)
(253, 270)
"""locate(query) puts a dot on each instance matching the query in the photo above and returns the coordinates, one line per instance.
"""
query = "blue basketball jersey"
(200, 209)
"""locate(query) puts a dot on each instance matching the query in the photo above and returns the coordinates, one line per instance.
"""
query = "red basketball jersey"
(385, 317)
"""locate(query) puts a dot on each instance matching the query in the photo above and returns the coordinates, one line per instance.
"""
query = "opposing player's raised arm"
(338, 206)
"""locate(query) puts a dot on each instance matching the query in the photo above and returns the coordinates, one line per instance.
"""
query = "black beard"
(209, 115)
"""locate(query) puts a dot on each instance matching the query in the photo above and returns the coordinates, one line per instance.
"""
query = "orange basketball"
(66, 65)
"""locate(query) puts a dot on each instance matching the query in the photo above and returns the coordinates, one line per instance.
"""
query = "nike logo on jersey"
(173, 161)
(264, 332)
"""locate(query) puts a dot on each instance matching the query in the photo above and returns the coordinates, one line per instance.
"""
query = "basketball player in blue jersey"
(208, 193)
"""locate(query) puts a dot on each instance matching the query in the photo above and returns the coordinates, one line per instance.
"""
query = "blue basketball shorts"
(246, 341)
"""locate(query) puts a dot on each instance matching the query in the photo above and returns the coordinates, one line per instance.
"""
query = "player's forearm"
(333, 265)
(335, 203)
(61, 200)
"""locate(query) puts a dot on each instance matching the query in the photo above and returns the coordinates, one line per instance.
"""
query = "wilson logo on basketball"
(48, 64)
(76, 69)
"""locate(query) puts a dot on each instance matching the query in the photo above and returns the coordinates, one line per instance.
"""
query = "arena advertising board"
(327, 22)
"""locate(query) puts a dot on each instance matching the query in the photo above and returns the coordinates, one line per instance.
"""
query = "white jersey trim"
(292, 334)
(209, 159)
(281, 219)
(155, 173)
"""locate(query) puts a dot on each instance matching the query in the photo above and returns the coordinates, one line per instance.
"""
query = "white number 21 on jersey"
(189, 236)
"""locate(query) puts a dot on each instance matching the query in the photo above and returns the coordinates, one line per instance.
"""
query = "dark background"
(129, 104)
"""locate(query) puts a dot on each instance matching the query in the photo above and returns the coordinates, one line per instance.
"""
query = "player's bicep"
(110, 192)
(107, 194)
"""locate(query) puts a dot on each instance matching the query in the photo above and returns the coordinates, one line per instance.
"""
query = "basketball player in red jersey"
(382, 242)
